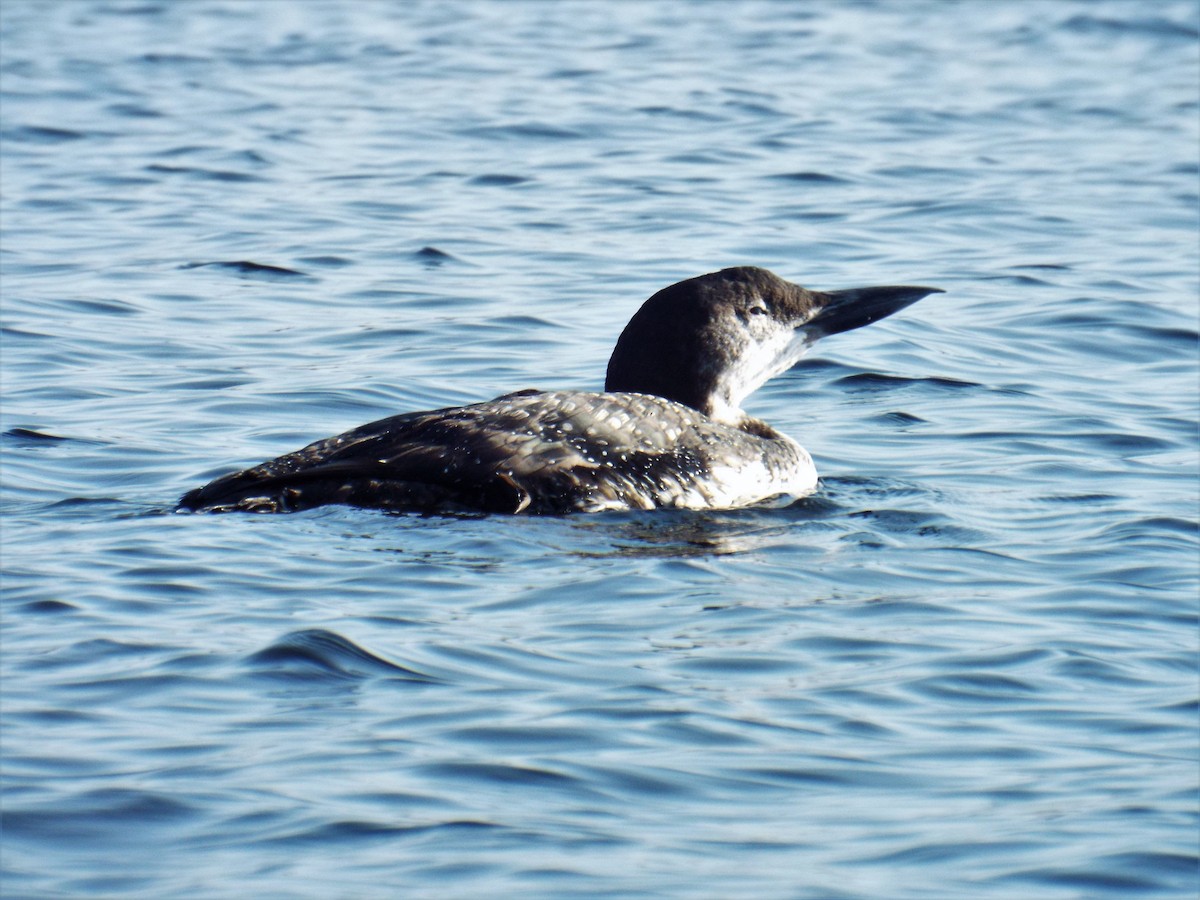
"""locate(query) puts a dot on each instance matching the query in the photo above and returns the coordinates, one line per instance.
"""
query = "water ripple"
(317, 653)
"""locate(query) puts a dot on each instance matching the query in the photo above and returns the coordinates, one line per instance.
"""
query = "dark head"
(710, 341)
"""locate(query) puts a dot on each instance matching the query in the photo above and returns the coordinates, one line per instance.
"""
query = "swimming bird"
(667, 431)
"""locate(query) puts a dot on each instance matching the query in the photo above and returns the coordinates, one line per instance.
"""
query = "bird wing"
(541, 452)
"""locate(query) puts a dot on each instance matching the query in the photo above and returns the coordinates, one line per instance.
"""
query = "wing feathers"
(525, 452)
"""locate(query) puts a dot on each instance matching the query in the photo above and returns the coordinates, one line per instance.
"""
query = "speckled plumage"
(533, 451)
(667, 432)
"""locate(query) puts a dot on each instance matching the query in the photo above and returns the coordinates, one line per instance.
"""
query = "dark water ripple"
(319, 653)
(964, 668)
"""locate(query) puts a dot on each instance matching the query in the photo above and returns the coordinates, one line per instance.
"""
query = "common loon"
(668, 431)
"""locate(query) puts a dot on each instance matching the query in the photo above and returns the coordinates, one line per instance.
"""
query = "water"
(965, 668)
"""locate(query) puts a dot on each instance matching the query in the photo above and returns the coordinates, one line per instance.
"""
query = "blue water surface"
(965, 668)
